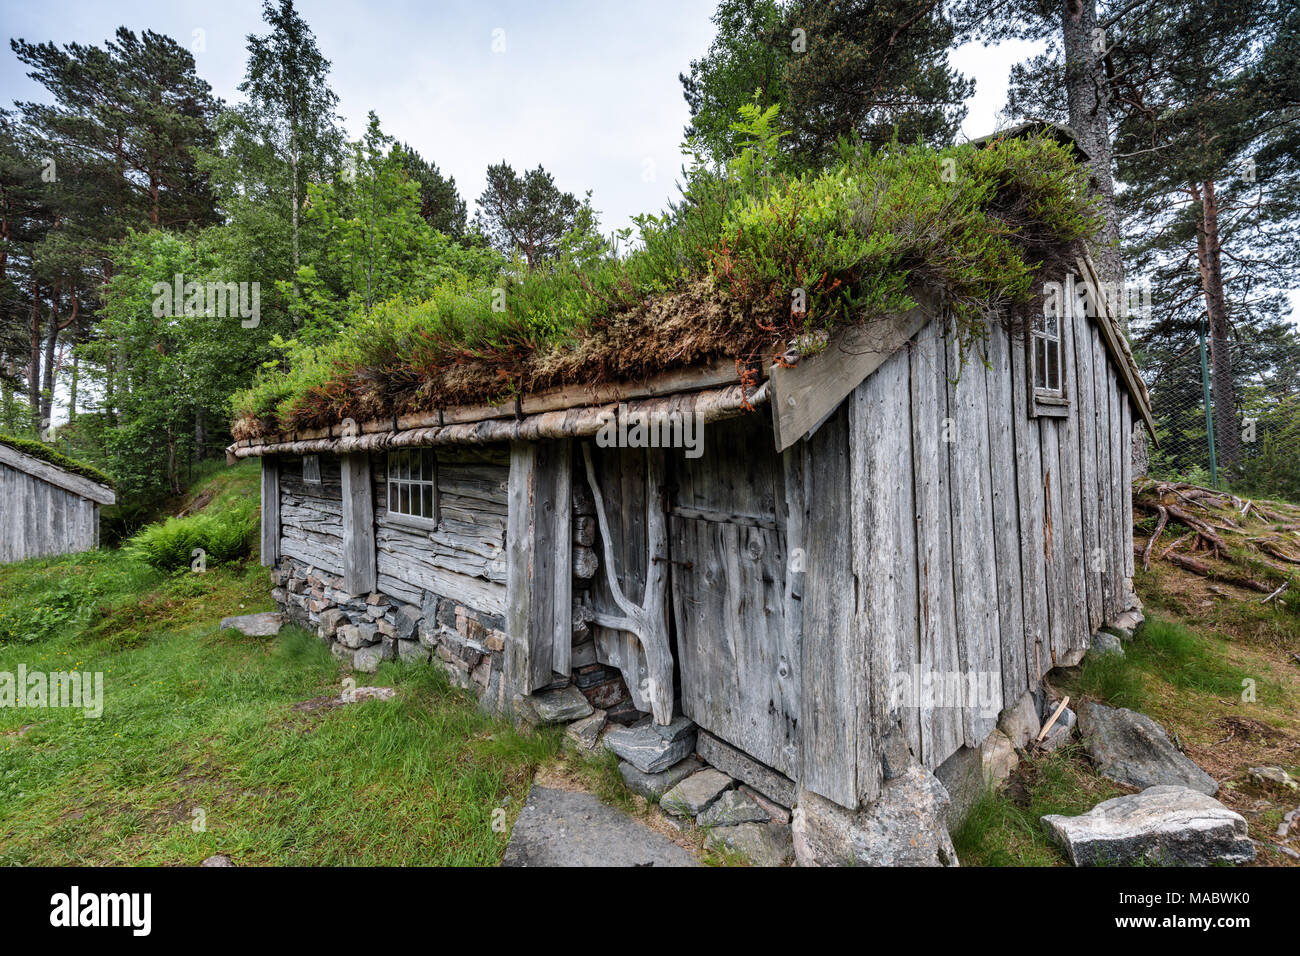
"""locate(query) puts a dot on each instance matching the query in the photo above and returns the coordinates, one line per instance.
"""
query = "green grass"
(197, 719)
(201, 720)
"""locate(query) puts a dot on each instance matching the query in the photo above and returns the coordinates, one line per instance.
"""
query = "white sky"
(588, 89)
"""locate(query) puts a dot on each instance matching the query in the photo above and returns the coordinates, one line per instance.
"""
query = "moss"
(48, 455)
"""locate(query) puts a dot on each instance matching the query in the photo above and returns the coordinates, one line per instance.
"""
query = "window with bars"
(413, 485)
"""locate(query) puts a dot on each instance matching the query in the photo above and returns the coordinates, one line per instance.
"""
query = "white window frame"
(408, 474)
(311, 469)
(1050, 398)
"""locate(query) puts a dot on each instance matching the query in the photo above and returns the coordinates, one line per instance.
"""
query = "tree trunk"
(200, 433)
(1088, 93)
(293, 163)
(47, 374)
(34, 362)
(1210, 261)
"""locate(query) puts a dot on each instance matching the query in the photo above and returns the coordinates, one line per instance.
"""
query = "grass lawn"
(200, 749)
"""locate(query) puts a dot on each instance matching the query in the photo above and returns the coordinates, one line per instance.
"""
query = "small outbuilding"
(49, 504)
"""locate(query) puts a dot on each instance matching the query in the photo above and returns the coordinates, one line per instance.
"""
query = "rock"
(642, 747)
(895, 757)
(1273, 775)
(406, 620)
(969, 772)
(1105, 644)
(732, 809)
(1166, 825)
(676, 729)
(219, 859)
(1125, 625)
(762, 844)
(652, 786)
(746, 769)
(570, 828)
(561, 706)
(349, 636)
(906, 826)
(693, 795)
(1020, 721)
(583, 654)
(331, 621)
(412, 652)
(367, 659)
(361, 694)
(776, 813)
(255, 625)
(586, 732)
(1133, 749)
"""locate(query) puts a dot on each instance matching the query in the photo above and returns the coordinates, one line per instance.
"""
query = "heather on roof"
(721, 275)
(48, 455)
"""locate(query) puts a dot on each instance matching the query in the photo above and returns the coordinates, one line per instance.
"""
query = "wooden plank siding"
(957, 538)
(38, 519)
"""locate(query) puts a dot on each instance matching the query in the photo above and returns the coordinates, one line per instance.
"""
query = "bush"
(224, 537)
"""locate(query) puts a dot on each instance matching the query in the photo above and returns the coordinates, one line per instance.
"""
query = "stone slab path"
(570, 828)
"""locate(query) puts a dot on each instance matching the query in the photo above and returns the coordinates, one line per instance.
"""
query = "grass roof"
(722, 274)
(45, 453)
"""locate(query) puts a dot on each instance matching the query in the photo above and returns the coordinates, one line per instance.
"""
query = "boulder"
(676, 729)
(1131, 748)
(412, 652)
(1165, 825)
(331, 621)
(585, 733)
(406, 620)
(693, 795)
(255, 625)
(643, 747)
(653, 786)
(776, 813)
(731, 809)
(907, 825)
(561, 706)
(367, 659)
(1105, 644)
(1275, 776)
(219, 859)
(762, 844)
(1020, 721)
(969, 772)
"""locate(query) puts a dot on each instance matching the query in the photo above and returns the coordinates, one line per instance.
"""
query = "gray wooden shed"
(877, 538)
(46, 509)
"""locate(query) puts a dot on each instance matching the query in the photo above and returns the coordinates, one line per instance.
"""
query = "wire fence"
(1259, 456)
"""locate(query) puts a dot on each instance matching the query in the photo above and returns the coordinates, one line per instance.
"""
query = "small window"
(1047, 352)
(311, 469)
(413, 485)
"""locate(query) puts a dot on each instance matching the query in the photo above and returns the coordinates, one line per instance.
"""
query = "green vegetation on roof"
(48, 455)
(720, 275)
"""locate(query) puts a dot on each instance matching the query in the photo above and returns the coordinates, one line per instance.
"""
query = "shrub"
(224, 537)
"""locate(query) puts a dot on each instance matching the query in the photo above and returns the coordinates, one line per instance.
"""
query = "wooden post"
(539, 576)
(359, 575)
(270, 512)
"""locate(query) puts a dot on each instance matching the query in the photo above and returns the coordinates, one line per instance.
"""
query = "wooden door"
(727, 538)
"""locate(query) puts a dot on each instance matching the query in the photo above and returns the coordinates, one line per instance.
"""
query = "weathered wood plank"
(940, 727)
(978, 642)
(884, 559)
(831, 671)
(1031, 505)
(1058, 590)
(270, 511)
(358, 526)
(1085, 391)
(520, 573)
(1006, 518)
(1076, 556)
(804, 394)
(1105, 501)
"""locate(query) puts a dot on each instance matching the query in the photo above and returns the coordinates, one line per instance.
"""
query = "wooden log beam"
(359, 571)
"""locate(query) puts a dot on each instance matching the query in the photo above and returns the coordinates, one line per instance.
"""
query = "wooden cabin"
(878, 537)
(46, 508)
